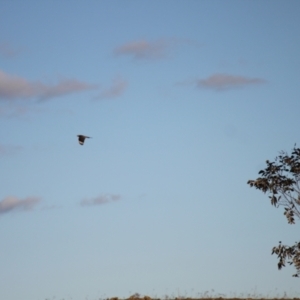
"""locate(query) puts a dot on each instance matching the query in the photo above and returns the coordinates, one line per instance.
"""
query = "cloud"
(225, 81)
(117, 88)
(143, 49)
(21, 110)
(64, 87)
(100, 200)
(14, 87)
(7, 51)
(9, 149)
(151, 50)
(11, 203)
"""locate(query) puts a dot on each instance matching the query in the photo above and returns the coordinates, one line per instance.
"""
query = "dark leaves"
(288, 254)
(289, 213)
(273, 200)
(281, 180)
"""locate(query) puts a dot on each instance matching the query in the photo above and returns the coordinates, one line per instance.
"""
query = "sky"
(184, 102)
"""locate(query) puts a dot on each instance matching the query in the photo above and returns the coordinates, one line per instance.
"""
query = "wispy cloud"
(143, 49)
(67, 86)
(15, 87)
(152, 50)
(221, 81)
(21, 110)
(117, 88)
(9, 149)
(103, 199)
(6, 50)
(11, 203)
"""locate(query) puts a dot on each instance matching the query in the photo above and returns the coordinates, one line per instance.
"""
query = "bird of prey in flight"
(81, 138)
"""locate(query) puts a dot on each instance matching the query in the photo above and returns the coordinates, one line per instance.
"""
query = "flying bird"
(81, 138)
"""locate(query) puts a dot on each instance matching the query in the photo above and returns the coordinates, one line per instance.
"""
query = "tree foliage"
(281, 181)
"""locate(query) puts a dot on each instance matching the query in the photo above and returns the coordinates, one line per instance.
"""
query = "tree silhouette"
(281, 181)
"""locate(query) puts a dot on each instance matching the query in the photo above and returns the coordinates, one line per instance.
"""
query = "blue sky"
(184, 101)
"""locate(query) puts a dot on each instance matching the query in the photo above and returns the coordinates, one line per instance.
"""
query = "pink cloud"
(117, 88)
(9, 149)
(17, 111)
(64, 87)
(14, 87)
(147, 50)
(6, 50)
(143, 49)
(11, 203)
(225, 81)
(100, 200)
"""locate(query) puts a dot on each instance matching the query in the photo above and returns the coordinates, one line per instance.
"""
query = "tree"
(281, 181)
